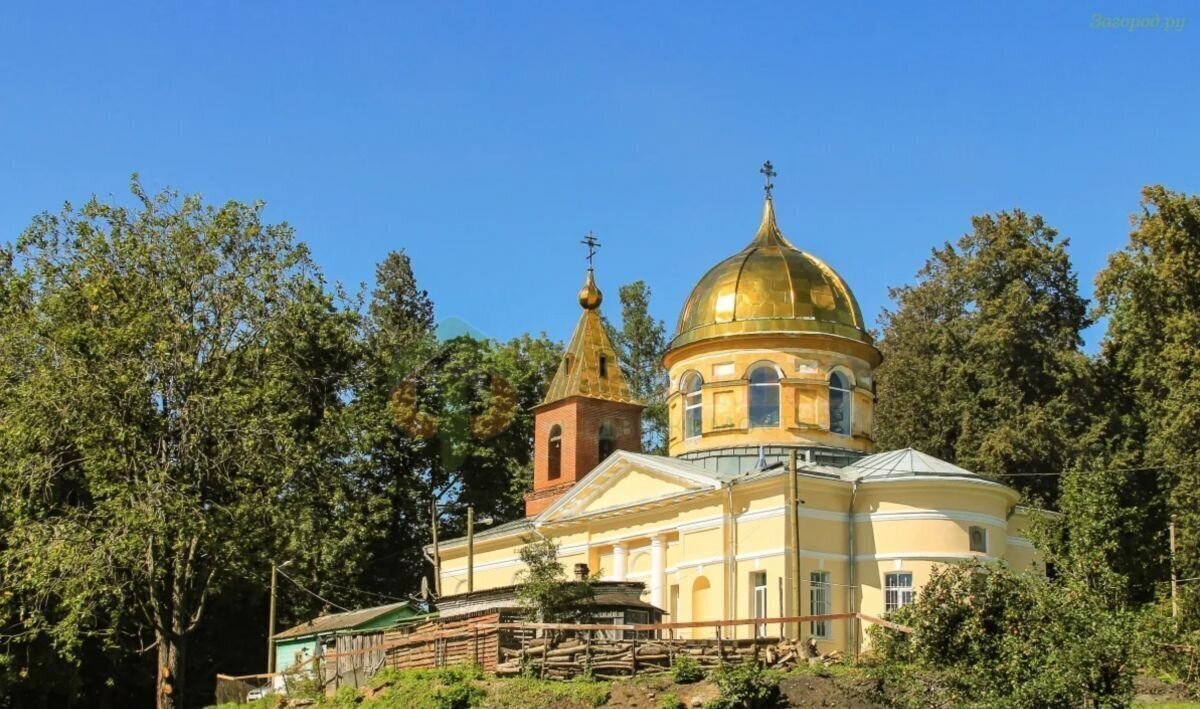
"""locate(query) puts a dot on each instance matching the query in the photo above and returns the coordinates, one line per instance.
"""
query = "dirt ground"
(1151, 691)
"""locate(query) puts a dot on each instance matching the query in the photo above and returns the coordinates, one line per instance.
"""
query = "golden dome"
(590, 296)
(770, 287)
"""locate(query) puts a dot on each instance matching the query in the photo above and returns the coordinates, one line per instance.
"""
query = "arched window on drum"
(764, 397)
(840, 404)
(693, 408)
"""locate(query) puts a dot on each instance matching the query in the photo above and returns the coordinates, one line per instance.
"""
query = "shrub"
(686, 670)
(669, 701)
(745, 686)
(1005, 639)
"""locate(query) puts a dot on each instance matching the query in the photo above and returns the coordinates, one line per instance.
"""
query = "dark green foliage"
(981, 357)
(1003, 639)
(745, 686)
(1150, 293)
(640, 343)
(686, 670)
(166, 372)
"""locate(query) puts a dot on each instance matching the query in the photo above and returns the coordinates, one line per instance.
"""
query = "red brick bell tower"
(588, 412)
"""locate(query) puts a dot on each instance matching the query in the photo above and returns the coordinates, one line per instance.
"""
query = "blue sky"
(487, 139)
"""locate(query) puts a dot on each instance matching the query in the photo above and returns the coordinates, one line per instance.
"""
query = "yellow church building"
(771, 358)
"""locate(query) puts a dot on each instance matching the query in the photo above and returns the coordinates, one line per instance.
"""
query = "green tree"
(982, 364)
(165, 374)
(544, 590)
(640, 343)
(1150, 294)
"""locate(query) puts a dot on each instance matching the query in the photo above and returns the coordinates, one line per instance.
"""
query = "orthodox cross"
(592, 243)
(768, 171)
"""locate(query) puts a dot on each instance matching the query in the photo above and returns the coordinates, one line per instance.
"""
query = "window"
(759, 580)
(978, 539)
(839, 404)
(820, 603)
(764, 397)
(897, 590)
(555, 467)
(603, 366)
(693, 411)
(608, 440)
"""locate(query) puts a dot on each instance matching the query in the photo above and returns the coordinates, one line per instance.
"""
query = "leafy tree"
(165, 374)
(543, 588)
(640, 343)
(1006, 639)
(1150, 294)
(981, 356)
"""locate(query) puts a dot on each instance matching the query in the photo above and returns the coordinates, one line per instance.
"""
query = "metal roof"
(339, 621)
(906, 462)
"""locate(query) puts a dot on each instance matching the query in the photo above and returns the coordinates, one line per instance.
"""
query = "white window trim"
(888, 587)
(755, 588)
(688, 406)
(827, 606)
(778, 384)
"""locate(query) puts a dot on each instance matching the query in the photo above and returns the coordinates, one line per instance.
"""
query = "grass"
(527, 693)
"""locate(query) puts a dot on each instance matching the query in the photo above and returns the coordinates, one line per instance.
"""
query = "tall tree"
(397, 341)
(640, 343)
(165, 372)
(1150, 294)
(982, 364)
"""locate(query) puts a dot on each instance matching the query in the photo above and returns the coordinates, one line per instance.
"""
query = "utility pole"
(1174, 576)
(271, 624)
(470, 548)
(271, 617)
(437, 559)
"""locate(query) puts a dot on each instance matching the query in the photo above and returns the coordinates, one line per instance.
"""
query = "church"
(771, 362)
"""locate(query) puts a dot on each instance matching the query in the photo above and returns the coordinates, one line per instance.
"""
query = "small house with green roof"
(299, 644)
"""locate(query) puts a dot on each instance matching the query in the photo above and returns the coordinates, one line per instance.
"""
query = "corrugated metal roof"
(339, 621)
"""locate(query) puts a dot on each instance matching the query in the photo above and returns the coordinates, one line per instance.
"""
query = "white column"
(658, 569)
(620, 555)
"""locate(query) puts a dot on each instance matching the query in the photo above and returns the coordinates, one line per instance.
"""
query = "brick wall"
(580, 419)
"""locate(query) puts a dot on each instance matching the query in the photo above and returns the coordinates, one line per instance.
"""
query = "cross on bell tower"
(592, 243)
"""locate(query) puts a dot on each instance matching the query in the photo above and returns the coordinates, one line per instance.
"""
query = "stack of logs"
(607, 658)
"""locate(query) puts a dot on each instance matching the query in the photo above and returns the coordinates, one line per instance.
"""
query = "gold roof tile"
(589, 365)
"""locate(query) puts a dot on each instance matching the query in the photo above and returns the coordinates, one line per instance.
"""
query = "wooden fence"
(566, 649)
(552, 650)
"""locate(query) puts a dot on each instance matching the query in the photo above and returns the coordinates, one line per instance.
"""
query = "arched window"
(693, 412)
(764, 397)
(839, 404)
(555, 468)
(608, 440)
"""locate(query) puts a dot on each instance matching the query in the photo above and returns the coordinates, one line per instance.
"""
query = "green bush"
(1004, 639)
(686, 670)
(669, 701)
(745, 686)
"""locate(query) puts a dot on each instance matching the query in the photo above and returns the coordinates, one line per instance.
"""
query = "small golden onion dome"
(590, 296)
(770, 287)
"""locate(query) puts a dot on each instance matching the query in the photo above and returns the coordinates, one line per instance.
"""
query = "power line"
(314, 595)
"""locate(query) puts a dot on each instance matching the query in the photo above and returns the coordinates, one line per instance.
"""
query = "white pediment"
(627, 480)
